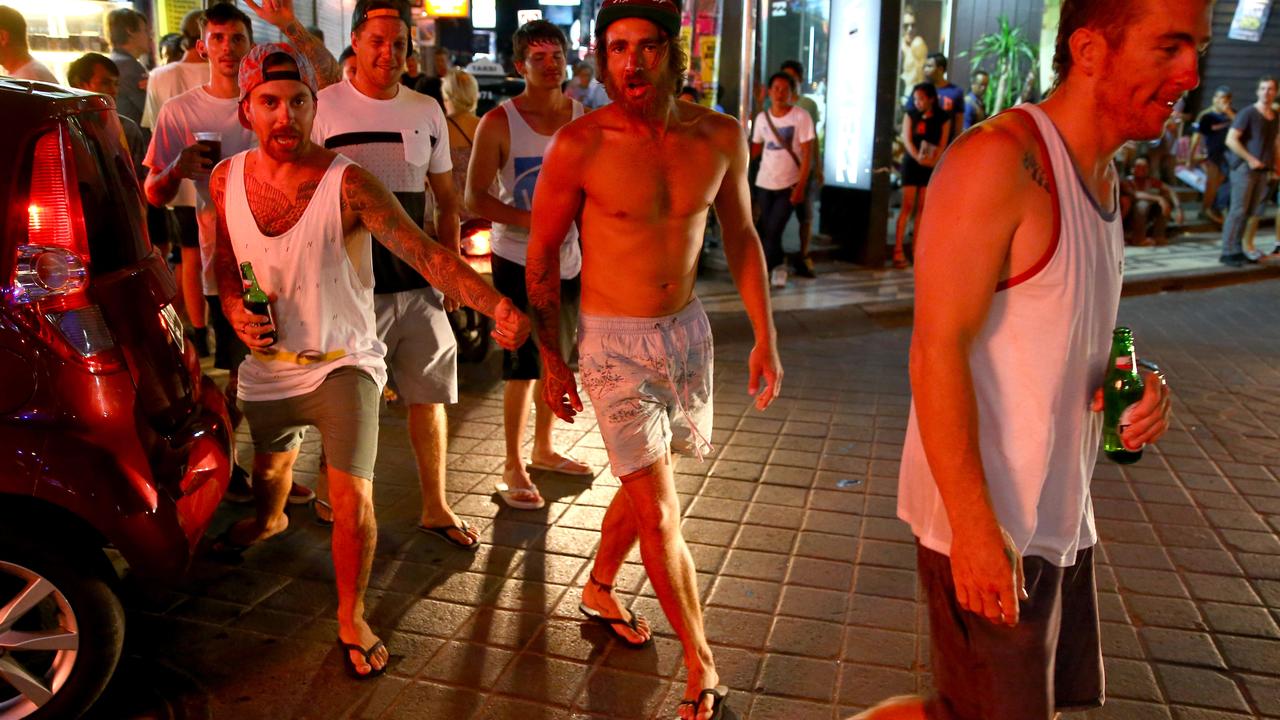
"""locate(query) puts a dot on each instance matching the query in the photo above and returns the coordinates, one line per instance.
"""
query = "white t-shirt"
(166, 83)
(178, 122)
(777, 170)
(398, 140)
(34, 70)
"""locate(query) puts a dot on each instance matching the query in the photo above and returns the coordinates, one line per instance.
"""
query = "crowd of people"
(344, 186)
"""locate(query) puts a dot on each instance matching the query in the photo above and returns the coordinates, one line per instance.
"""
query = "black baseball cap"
(663, 13)
(368, 9)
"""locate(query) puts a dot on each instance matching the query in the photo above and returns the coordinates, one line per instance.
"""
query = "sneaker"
(239, 490)
(778, 278)
(200, 339)
(301, 494)
(802, 265)
(1252, 256)
(1234, 260)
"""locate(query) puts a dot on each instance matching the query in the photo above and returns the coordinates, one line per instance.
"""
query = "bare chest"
(643, 178)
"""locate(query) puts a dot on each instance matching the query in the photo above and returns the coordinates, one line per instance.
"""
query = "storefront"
(59, 31)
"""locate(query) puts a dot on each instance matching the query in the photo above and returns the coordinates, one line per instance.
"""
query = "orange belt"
(306, 357)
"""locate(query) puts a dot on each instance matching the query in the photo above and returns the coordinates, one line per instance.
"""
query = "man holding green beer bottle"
(1017, 292)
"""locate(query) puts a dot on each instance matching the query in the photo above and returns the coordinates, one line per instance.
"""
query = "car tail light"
(50, 288)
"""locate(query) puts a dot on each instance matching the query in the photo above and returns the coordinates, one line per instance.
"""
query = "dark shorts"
(524, 363)
(158, 225)
(188, 229)
(228, 349)
(914, 174)
(1050, 662)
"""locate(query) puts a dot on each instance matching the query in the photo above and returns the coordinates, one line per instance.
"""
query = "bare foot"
(605, 601)
(700, 679)
(562, 463)
(359, 633)
(470, 536)
(517, 478)
(247, 532)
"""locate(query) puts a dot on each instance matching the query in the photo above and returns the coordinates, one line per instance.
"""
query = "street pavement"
(807, 576)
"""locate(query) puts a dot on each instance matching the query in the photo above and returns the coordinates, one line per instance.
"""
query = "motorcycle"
(470, 328)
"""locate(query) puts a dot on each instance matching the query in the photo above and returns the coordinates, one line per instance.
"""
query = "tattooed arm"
(249, 326)
(365, 201)
(280, 14)
(557, 201)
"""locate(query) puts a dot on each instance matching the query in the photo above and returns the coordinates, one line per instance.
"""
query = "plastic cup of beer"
(213, 142)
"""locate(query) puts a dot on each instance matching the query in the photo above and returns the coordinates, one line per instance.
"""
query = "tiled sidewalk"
(808, 577)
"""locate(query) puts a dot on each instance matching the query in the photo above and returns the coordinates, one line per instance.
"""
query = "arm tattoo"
(226, 270)
(1037, 173)
(278, 211)
(382, 215)
(542, 280)
(327, 70)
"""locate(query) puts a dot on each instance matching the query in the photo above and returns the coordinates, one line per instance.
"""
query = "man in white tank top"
(1018, 281)
(509, 145)
(640, 175)
(303, 216)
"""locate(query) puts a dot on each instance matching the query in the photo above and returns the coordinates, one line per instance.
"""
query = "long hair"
(677, 63)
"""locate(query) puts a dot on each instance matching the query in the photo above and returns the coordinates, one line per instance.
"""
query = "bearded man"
(638, 176)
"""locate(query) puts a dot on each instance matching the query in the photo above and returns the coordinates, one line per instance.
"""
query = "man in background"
(173, 79)
(15, 57)
(801, 263)
(975, 104)
(96, 73)
(130, 40)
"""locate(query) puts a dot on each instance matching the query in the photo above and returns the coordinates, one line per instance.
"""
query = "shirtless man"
(1023, 222)
(303, 216)
(639, 176)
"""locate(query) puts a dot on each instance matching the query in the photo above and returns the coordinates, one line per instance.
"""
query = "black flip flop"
(718, 693)
(224, 549)
(368, 658)
(611, 624)
(442, 532)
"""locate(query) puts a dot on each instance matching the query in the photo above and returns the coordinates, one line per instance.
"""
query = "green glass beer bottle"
(256, 300)
(1120, 391)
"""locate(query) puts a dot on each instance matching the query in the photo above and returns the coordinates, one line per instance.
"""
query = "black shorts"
(158, 225)
(914, 174)
(188, 228)
(524, 363)
(229, 350)
(1050, 662)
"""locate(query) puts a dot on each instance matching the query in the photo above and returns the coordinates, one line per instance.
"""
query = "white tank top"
(515, 187)
(1040, 356)
(324, 283)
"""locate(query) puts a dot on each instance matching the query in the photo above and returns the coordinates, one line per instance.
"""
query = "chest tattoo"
(274, 210)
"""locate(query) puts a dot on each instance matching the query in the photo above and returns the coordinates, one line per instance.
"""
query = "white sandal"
(511, 496)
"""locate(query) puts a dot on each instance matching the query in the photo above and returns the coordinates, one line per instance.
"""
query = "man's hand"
(249, 327)
(987, 571)
(512, 326)
(797, 193)
(1149, 418)
(192, 162)
(277, 12)
(764, 361)
(559, 389)
(1255, 163)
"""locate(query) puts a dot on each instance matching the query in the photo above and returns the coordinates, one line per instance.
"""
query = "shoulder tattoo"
(1038, 174)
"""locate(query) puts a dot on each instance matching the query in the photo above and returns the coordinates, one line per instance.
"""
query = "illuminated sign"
(567, 3)
(484, 14)
(447, 8)
(853, 59)
(1250, 20)
(528, 16)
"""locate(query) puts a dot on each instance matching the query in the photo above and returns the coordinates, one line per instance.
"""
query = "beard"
(662, 88)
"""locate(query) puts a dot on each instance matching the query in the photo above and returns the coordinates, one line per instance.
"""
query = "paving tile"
(1200, 686)
(619, 694)
(867, 646)
(798, 677)
(1240, 620)
(746, 594)
(444, 700)
(1220, 588)
(885, 582)
(1165, 612)
(1181, 646)
(820, 573)
(813, 603)
(1131, 679)
(1259, 655)
(735, 627)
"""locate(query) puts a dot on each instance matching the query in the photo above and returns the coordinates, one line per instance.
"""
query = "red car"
(110, 436)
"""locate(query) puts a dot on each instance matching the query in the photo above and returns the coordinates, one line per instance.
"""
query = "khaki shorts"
(345, 411)
(649, 380)
(1051, 661)
(422, 354)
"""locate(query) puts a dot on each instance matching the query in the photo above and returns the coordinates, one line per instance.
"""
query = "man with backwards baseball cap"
(400, 136)
(302, 216)
(638, 175)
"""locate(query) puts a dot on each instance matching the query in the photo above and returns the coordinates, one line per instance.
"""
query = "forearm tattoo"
(327, 70)
(226, 270)
(542, 276)
(1037, 173)
(382, 215)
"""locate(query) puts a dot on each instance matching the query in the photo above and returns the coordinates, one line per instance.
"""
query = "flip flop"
(611, 623)
(718, 693)
(442, 532)
(350, 664)
(326, 522)
(224, 549)
(511, 496)
(564, 467)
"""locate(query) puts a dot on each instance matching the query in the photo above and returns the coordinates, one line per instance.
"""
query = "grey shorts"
(1050, 662)
(649, 380)
(422, 354)
(345, 411)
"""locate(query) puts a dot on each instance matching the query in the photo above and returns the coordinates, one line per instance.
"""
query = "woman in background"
(925, 131)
